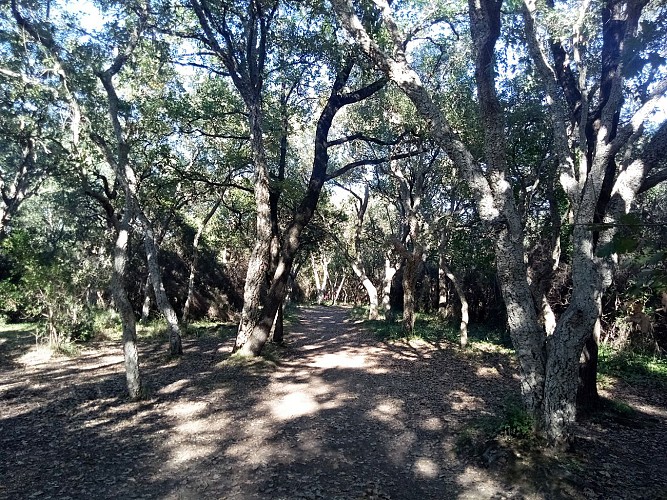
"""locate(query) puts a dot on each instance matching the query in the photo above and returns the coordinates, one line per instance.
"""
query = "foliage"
(633, 366)
(513, 424)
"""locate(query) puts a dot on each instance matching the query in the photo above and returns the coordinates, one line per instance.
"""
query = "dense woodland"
(493, 163)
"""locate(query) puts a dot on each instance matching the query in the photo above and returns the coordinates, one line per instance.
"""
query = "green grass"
(431, 328)
(512, 424)
(199, 329)
(632, 366)
(426, 328)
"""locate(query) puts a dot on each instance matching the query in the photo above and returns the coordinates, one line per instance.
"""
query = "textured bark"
(409, 291)
(460, 293)
(493, 195)
(161, 299)
(390, 271)
(124, 307)
(265, 311)
(255, 325)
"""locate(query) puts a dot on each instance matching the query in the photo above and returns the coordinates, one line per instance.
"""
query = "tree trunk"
(278, 331)
(161, 299)
(409, 292)
(255, 325)
(463, 329)
(587, 395)
(339, 289)
(320, 283)
(371, 291)
(124, 308)
(259, 305)
(146, 304)
(389, 273)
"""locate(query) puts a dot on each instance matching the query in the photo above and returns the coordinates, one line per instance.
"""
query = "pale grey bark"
(339, 288)
(357, 258)
(321, 282)
(390, 271)
(460, 293)
(124, 307)
(493, 194)
(587, 166)
(146, 304)
(119, 161)
(371, 291)
(161, 299)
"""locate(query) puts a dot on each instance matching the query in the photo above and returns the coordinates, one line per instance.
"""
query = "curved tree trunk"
(463, 329)
(161, 299)
(371, 291)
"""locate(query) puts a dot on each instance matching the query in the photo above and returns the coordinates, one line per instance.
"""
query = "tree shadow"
(340, 415)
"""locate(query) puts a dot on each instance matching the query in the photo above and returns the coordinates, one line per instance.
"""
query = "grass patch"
(427, 328)
(632, 366)
(512, 428)
(210, 329)
(431, 328)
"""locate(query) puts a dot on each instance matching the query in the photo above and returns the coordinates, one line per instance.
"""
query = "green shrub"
(632, 365)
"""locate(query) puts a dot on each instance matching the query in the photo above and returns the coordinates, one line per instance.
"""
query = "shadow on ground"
(340, 415)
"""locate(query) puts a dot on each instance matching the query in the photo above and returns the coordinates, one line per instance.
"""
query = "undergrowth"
(513, 426)
(632, 366)
(431, 328)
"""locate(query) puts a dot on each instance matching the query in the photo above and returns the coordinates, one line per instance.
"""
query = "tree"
(548, 366)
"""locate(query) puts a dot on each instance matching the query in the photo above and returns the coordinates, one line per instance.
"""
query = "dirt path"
(340, 415)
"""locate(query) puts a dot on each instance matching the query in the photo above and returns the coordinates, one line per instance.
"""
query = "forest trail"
(339, 415)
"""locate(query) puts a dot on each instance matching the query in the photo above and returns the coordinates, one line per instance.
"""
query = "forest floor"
(336, 413)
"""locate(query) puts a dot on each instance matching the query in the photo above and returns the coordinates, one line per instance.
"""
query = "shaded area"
(339, 415)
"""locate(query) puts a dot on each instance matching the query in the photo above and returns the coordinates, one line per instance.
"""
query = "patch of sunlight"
(188, 408)
(475, 484)
(174, 386)
(293, 406)
(488, 372)
(36, 356)
(340, 360)
(465, 401)
(389, 412)
(202, 425)
(425, 468)
(96, 422)
(184, 454)
(431, 424)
